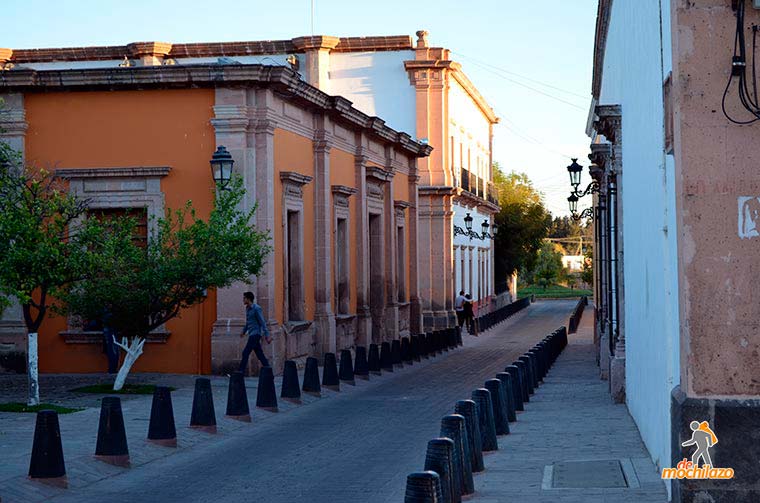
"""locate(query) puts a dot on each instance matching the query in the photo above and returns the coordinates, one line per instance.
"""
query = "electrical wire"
(748, 98)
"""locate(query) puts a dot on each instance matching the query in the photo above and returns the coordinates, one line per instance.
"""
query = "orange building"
(335, 188)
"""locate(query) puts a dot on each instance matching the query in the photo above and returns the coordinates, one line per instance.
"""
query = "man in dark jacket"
(256, 328)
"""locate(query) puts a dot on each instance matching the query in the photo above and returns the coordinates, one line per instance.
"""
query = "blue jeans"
(254, 345)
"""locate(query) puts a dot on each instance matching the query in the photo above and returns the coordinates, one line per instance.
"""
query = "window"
(342, 291)
(139, 215)
(294, 269)
(401, 264)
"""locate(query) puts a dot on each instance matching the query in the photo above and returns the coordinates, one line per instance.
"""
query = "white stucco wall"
(462, 278)
(634, 69)
(469, 128)
(377, 84)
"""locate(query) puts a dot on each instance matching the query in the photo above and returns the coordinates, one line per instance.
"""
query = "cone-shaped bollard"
(528, 372)
(423, 487)
(203, 416)
(452, 337)
(468, 410)
(414, 347)
(533, 361)
(459, 336)
(440, 459)
(482, 398)
(453, 426)
(346, 373)
(266, 396)
(291, 391)
(406, 351)
(498, 399)
(385, 357)
(430, 348)
(422, 338)
(311, 377)
(47, 452)
(451, 430)
(161, 430)
(237, 399)
(396, 354)
(111, 446)
(443, 341)
(361, 366)
(506, 383)
(374, 360)
(330, 378)
(517, 395)
(523, 380)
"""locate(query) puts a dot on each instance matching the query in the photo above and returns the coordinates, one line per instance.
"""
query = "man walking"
(256, 328)
(459, 309)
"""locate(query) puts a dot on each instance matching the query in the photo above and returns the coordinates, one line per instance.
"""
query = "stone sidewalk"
(570, 418)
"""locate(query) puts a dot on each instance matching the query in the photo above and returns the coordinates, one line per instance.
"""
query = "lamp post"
(484, 226)
(575, 170)
(221, 167)
(468, 222)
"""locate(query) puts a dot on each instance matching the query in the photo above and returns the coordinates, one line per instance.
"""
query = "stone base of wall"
(617, 379)
(735, 423)
(438, 320)
(604, 356)
(346, 332)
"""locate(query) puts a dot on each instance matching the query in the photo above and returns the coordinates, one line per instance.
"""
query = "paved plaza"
(358, 444)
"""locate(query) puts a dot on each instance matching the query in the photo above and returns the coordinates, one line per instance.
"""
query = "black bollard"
(440, 459)
(290, 391)
(452, 337)
(385, 357)
(430, 348)
(330, 378)
(506, 382)
(414, 347)
(406, 351)
(47, 452)
(523, 380)
(266, 396)
(311, 377)
(499, 407)
(111, 446)
(459, 336)
(374, 360)
(346, 373)
(396, 354)
(361, 366)
(453, 427)
(443, 341)
(517, 395)
(237, 399)
(533, 361)
(469, 410)
(423, 346)
(457, 477)
(423, 487)
(161, 430)
(482, 398)
(203, 416)
(529, 373)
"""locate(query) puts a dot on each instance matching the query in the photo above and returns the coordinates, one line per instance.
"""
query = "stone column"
(391, 286)
(363, 317)
(13, 128)
(316, 67)
(324, 317)
(415, 308)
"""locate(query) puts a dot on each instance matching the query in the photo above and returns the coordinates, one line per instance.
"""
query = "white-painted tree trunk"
(33, 369)
(133, 350)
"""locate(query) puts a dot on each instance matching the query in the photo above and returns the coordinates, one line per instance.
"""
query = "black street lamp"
(221, 167)
(573, 203)
(468, 222)
(484, 226)
(575, 170)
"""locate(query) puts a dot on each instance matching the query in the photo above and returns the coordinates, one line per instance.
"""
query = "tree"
(41, 249)
(548, 268)
(523, 223)
(143, 286)
(587, 275)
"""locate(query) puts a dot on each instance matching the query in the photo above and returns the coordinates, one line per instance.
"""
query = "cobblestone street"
(356, 445)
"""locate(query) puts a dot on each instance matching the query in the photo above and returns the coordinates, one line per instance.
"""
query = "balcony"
(492, 194)
(478, 187)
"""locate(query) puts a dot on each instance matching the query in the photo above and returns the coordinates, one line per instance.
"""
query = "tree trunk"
(33, 369)
(133, 350)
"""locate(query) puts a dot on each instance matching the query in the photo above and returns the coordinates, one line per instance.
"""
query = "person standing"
(256, 328)
(469, 315)
(459, 309)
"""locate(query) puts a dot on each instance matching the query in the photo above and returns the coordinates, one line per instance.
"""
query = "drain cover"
(585, 474)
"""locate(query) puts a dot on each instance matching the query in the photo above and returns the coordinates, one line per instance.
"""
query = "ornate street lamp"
(484, 226)
(221, 167)
(572, 201)
(575, 170)
(468, 222)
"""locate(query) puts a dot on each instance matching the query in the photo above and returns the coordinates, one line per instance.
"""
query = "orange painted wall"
(401, 193)
(342, 172)
(120, 129)
(293, 152)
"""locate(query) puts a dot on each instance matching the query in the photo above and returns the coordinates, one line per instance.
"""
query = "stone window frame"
(116, 187)
(342, 211)
(401, 265)
(292, 201)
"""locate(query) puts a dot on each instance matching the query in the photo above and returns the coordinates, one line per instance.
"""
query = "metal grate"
(587, 474)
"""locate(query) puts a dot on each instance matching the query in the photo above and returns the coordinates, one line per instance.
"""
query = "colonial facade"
(336, 189)
(674, 152)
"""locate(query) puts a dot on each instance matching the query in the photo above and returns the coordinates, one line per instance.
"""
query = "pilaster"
(364, 321)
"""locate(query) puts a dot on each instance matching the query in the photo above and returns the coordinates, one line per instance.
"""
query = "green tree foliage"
(523, 223)
(140, 288)
(587, 275)
(548, 268)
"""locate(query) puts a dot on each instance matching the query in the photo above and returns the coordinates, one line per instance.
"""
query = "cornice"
(600, 45)
(125, 172)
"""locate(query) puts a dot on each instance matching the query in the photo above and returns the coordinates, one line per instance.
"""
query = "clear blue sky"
(550, 42)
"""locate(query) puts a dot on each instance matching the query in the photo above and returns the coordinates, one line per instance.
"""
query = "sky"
(531, 60)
